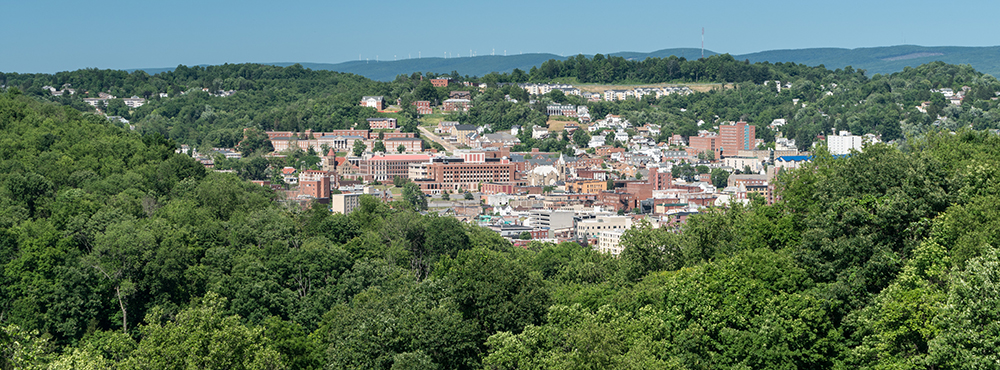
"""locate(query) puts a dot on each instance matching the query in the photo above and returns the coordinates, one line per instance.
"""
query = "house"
(460, 95)
(456, 105)
(440, 82)
(445, 126)
(376, 102)
(423, 107)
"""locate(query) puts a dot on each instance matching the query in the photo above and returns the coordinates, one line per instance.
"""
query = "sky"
(62, 35)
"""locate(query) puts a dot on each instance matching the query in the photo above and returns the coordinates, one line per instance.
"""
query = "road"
(437, 139)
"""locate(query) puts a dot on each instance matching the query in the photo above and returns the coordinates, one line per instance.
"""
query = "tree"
(254, 141)
(525, 235)
(401, 148)
(720, 178)
(399, 181)
(203, 337)
(445, 196)
(359, 148)
(468, 195)
(413, 195)
(379, 147)
(581, 138)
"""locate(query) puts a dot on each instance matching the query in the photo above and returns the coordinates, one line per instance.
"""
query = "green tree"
(401, 148)
(720, 178)
(525, 235)
(254, 141)
(359, 148)
(203, 337)
(415, 197)
(581, 138)
(379, 147)
(468, 195)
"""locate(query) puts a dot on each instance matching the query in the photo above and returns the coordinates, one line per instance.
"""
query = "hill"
(886, 59)
(883, 60)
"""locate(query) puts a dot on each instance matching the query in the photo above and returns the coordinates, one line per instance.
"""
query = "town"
(618, 178)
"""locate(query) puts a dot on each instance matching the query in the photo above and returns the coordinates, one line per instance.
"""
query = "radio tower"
(703, 42)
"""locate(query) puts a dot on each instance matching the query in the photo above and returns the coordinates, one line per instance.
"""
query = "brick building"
(385, 167)
(410, 145)
(704, 142)
(382, 123)
(586, 186)
(736, 137)
(440, 82)
(315, 184)
(456, 105)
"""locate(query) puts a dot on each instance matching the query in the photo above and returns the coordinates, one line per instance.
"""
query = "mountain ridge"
(874, 60)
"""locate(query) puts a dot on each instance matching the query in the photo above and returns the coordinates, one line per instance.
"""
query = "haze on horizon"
(63, 35)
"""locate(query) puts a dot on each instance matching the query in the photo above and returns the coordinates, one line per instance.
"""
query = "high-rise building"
(736, 137)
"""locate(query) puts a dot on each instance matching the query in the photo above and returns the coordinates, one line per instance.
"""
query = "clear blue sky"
(60, 35)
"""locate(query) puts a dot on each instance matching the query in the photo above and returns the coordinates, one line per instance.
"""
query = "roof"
(403, 139)
(465, 127)
(288, 170)
(794, 158)
(402, 157)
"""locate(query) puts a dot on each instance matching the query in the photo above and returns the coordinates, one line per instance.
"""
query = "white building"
(610, 242)
(843, 143)
(592, 228)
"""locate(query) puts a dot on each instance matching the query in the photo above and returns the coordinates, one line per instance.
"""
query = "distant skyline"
(60, 35)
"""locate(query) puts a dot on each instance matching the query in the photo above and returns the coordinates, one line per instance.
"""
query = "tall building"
(315, 184)
(843, 143)
(344, 203)
(737, 137)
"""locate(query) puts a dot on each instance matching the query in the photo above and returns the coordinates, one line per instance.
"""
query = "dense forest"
(119, 253)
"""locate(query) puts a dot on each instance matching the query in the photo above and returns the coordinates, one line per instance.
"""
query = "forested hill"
(115, 252)
(882, 60)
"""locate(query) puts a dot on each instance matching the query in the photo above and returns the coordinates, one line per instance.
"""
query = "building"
(592, 228)
(456, 105)
(445, 126)
(736, 137)
(440, 82)
(461, 94)
(461, 133)
(314, 184)
(386, 167)
(134, 101)
(344, 203)
(410, 145)
(423, 107)
(454, 174)
(704, 143)
(376, 102)
(382, 123)
(843, 143)
(586, 186)
(609, 241)
(555, 220)
(561, 110)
